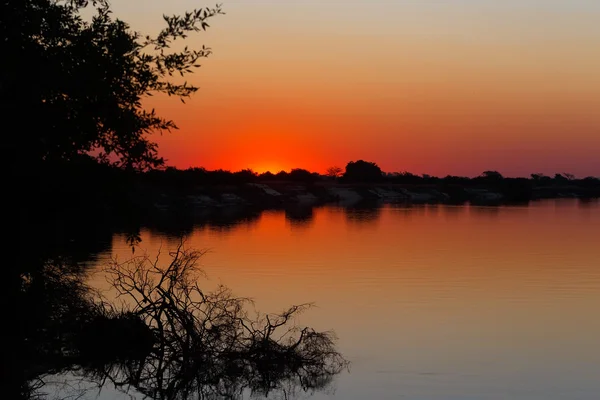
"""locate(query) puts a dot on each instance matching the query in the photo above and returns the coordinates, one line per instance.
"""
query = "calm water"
(432, 302)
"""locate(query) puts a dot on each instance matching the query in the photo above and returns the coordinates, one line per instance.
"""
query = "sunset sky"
(437, 87)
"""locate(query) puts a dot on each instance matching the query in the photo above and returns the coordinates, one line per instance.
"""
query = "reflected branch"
(177, 341)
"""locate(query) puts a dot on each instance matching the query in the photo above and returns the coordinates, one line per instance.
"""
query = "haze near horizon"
(414, 86)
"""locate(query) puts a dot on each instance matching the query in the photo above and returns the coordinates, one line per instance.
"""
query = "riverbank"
(265, 195)
(114, 195)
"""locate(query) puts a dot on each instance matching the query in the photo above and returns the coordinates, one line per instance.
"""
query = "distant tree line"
(84, 185)
(359, 171)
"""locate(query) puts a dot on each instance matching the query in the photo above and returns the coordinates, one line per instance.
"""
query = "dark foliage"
(334, 172)
(79, 84)
(362, 171)
(492, 176)
(302, 175)
(48, 309)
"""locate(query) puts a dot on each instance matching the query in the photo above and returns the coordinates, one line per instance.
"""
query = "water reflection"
(226, 219)
(453, 212)
(485, 211)
(208, 345)
(588, 203)
(220, 219)
(299, 216)
(408, 211)
(77, 239)
(169, 339)
(435, 269)
(363, 213)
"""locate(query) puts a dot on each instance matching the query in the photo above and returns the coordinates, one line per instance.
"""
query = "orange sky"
(414, 86)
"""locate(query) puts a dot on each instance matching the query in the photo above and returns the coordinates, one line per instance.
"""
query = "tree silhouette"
(362, 171)
(492, 175)
(302, 175)
(334, 172)
(81, 83)
(540, 178)
(559, 178)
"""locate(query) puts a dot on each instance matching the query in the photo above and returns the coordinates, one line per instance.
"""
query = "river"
(428, 302)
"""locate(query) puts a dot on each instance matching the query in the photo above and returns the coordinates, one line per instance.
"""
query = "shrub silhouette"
(169, 339)
(208, 343)
(362, 171)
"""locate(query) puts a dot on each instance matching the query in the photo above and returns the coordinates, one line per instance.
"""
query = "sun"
(262, 168)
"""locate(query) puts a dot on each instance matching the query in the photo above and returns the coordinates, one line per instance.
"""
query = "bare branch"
(205, 342)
